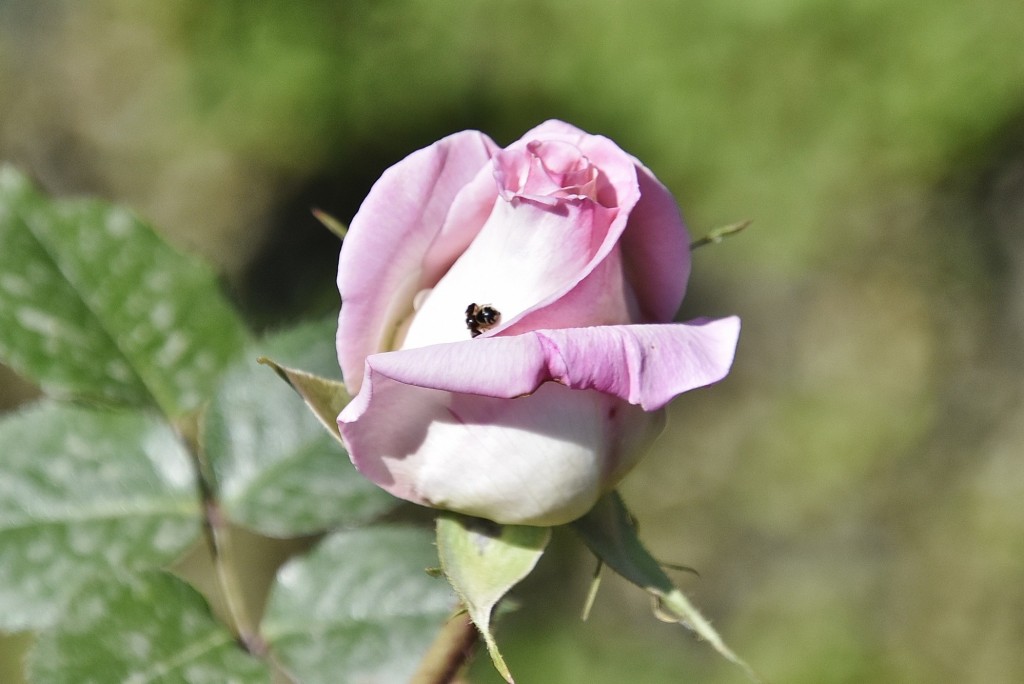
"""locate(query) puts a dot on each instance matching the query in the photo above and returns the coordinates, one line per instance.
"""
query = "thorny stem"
(450, 652)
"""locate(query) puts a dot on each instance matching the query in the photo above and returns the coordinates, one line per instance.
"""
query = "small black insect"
(480, 318)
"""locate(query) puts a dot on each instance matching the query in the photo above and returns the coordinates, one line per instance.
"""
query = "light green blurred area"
(853, 494)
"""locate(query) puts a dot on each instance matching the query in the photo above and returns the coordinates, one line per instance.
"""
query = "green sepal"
(483, 561)
(609, 532)
(332, 224)
(323, 396)
(716, 235)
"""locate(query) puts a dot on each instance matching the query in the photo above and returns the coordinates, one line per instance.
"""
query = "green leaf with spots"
(361, 604)
(93, 304)
(85, 494)
(278, 470)
(143, 629)
(483, 561)
(609, 532)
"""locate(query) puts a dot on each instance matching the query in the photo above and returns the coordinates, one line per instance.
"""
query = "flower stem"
(450, 652)
(217, 532)
(218, 535)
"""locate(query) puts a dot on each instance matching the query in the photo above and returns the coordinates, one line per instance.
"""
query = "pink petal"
(381, 264)
(539, 460)
(646, 365)
(655, 244)
(620, 184)
(603, 297)
(546, 259)
(656, 250)
(512, 266)
(594, 294)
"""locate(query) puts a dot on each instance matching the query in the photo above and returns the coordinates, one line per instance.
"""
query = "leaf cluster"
(159, 436)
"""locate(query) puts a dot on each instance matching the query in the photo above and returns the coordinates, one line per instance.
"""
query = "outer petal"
(656, 250)
(380, 268)
(646, 365)
(538, 460)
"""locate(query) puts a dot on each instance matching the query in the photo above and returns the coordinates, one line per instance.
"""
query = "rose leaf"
(483, 561)
(94, 305)
(277, 470)
(609, 532)
(85, 494)
(151, 627)
(361, 604)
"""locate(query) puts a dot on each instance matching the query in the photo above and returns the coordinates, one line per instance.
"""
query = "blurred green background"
(853, 494)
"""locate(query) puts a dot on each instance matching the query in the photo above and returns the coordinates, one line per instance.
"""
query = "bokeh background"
(853, 494)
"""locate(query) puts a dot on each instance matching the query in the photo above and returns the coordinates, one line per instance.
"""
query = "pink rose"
(506, 324)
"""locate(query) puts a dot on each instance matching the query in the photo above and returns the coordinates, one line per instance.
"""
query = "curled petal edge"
(646, 365)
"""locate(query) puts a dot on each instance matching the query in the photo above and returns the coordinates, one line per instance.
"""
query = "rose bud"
(506, 324)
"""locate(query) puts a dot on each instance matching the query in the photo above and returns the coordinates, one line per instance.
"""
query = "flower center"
(544, 228)
(547, 172)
